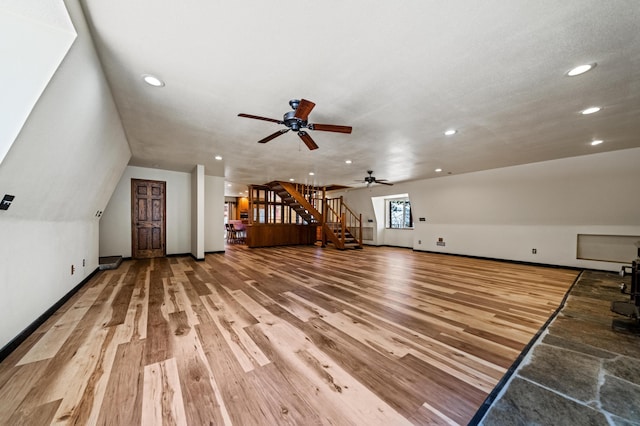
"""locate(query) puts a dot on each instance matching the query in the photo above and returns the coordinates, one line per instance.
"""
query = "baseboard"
(197, 259)
(178, 255)
(519, 262)
(24, 334)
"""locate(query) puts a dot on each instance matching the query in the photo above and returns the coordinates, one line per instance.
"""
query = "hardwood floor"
(290, 335)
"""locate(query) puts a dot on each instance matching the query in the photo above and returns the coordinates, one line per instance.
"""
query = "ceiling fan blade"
(257, 117)
(304, 108)
(273, 136)
(330, 128)
(307, 140)
(384, 183)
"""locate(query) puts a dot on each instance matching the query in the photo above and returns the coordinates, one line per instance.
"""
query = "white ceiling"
(400, 73)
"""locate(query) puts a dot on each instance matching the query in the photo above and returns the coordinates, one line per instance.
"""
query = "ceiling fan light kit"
(296, 120)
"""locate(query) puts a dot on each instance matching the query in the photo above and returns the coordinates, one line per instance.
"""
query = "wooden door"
(148, 227)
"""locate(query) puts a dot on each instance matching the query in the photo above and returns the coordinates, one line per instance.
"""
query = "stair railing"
(352, 222)
(338, 214)
(310, 194)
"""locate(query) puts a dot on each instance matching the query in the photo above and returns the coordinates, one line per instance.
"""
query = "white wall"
(197, 212)
(62, 169)
(115, 224)
(504, 213)
(214, 214)
(36, 267)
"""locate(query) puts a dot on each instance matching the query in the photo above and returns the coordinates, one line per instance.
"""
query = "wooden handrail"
(346, 207)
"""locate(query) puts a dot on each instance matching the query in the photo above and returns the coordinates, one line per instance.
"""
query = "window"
(399, 211)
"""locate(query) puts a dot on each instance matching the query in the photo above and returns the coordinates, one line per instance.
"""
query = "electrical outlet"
(534, 251)
(73, 269)
(419, 241)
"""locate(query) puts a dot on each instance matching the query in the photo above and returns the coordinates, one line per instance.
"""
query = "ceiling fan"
(297, 120)
(372, 179)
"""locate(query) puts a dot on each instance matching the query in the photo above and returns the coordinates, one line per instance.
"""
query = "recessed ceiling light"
(596, 142)
(228, 185)
(450, 132)
(217, 157)
(348, 161)
(438, 170)
(311, 174)
(152, 80)
(590, 110)
(291, 179)
(580, 69)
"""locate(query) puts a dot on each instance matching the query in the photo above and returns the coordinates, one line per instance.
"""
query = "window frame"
(406, 202)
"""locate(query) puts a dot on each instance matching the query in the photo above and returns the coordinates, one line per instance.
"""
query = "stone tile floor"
(580, 371)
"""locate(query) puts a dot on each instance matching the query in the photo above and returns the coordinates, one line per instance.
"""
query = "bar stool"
(232, 235)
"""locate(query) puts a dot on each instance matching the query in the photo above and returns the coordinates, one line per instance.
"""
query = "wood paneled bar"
(272, 222)
(280, 234)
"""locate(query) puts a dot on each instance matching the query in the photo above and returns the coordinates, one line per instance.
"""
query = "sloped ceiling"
(45, 34)
(70, 152)
(400, 73)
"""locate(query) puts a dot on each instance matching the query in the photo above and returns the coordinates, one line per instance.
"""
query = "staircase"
(340, 226)
(301, 202)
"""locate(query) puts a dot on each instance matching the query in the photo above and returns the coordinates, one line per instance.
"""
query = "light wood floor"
(294, 335)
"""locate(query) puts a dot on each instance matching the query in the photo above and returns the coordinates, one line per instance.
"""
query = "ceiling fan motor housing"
(292, 122)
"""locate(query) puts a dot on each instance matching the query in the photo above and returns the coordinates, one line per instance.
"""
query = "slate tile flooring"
(581, 371)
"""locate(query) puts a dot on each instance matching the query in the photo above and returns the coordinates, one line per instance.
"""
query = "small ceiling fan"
(372, 179)
(297, 120)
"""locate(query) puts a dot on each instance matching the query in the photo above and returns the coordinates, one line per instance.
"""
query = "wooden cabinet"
(243, 208)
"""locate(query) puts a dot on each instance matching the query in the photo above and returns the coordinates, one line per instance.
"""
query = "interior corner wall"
(62, 168)
(214, 237)
(115, 224)
(505, 213)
